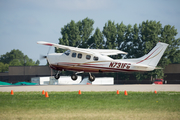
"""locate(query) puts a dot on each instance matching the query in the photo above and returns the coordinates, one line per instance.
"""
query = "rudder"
(153, 57)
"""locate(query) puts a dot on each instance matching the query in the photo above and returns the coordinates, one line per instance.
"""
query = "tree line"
(135, 39)
(15, 58)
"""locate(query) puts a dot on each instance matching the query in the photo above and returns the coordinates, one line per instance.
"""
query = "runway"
(133, 87)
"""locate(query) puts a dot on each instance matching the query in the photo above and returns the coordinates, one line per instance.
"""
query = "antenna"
(49, 50)
(78, 44)
(90, 45)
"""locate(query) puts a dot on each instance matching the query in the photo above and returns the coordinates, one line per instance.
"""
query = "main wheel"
(74, 77)
(91, 78)
(57, 76)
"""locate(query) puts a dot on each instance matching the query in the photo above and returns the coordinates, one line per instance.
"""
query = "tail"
(153, 57)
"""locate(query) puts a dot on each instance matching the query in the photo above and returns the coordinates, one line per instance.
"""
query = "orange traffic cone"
(117, 92)
(12, 93)
(43, 92)
(46, 94)
(79, 92)
(125, 92)
(155, 92)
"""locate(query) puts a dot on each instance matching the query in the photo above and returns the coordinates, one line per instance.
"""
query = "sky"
(24, 22)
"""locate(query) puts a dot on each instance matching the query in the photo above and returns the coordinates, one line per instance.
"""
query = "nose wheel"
(91, 77)
(57, 75)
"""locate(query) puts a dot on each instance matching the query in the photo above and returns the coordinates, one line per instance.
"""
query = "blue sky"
(24, 22)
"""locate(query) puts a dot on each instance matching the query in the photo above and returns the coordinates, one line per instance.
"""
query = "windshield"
(67, 52)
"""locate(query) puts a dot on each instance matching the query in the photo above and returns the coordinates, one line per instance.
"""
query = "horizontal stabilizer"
(158, 68)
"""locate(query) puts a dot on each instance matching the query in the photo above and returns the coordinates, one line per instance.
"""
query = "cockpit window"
(88, 57)
(73, 54)
(95, 58)
(67, 52)
(79, 55)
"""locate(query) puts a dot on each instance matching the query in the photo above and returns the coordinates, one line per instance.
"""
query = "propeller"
(45, 56)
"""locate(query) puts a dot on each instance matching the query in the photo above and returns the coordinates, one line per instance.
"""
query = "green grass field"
(90, 105)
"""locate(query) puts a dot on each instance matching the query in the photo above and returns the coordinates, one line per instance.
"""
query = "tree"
(3, 67)
(85, 28)
(109, 31)
(37, 62)
(76, 34)
(120, 41)
(15, 62)
(125, 38)
(15, 58)
(168, 34)
(97, 40)
(9, 56)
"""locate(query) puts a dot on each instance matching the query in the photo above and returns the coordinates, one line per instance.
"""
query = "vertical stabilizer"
(153, 57)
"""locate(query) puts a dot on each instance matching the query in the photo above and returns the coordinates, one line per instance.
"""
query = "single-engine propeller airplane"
(96, 60)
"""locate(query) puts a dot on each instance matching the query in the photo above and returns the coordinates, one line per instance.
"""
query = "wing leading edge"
(86, 51)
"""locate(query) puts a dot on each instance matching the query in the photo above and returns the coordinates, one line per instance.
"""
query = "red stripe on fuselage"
(89, 68)
(147, 57)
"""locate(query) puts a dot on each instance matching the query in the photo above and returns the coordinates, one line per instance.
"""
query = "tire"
(57, 76)
(74, 77)
(91, 78)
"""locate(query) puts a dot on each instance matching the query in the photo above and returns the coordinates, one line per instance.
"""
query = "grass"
(90, 105)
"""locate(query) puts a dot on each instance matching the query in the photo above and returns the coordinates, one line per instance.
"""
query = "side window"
(95, 58)
(79, 55)
(73, 54)
(67, 52)
(88, 57)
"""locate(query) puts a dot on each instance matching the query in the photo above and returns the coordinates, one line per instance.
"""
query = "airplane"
(82, 60)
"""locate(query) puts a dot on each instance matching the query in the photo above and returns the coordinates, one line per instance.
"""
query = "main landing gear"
(57, 75)
(74, 76)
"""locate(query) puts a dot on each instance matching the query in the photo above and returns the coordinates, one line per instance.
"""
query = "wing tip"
(44, 43)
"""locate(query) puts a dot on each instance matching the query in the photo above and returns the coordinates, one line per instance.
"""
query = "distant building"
(25, 73)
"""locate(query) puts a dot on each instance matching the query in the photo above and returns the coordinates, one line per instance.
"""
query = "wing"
(87, 51)
(55, 45)
(108, 51)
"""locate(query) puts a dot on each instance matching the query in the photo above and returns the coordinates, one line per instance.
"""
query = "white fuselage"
(76, 61)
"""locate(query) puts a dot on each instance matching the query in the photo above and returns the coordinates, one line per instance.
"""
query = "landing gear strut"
(74, 76)
(91, 77)
(57, 75)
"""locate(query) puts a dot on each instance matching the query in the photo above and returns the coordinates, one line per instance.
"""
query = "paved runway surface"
(142, 87)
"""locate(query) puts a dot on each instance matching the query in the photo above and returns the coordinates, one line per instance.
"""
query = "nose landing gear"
(91, 77)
